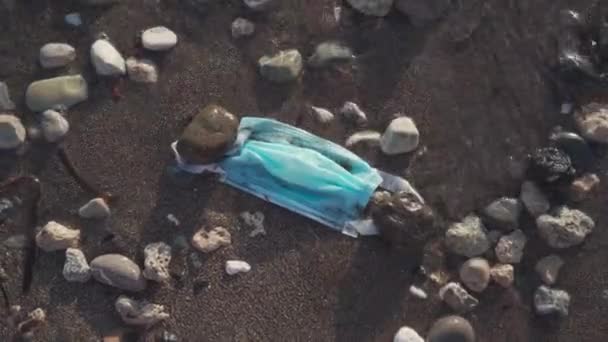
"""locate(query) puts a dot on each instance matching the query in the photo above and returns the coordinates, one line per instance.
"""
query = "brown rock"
(583, 187)
(475, 274)
(210, 134)
(503, 274)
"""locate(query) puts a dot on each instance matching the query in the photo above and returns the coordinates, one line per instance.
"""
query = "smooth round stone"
(378, 8)
(401, 136)
(451, 329)
(73, 19)
(242, 27)
(328, 52)
(54, 55)
(548, 268)
(209, 135)
(118, 271)
(285, 66)
(12, 132)
(158, 38)
(576, 147)
(475, 274)
(106, 59)
(63, 91)
(534, 199)
(407, 334)
(237, 266)
(504, 212)
(96, 208)
(54, 126)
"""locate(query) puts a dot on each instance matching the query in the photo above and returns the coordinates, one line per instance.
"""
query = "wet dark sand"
(480, 105)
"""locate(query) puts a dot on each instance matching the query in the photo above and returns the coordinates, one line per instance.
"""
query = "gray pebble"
(407, 334)
(475, 274)
(12, 132)
(401, 136)
(455, 296)
(76, 268)
(282, 67)
(534, 199)
(54, 55)
(378, 8)
(551, 301)
(158, 38)
(504, 212)
(54, 126)
(242, 27)
(73, 19)
(328, 52)
(548, 268)
(468, 238)
(510, 248)
(157, 259)
(565, 227)
(142, 70)
(96, 208)
(118, 271)
(5, 98)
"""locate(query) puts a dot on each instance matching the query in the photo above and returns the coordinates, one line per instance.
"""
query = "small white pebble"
(73, 19)
(369, 137)
(418, 292)
(322, 115)
(171, 218)
(237, 266)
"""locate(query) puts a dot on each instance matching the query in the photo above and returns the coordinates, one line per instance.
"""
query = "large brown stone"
(210, 134)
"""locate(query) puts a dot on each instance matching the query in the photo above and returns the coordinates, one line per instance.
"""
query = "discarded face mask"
(301, 172)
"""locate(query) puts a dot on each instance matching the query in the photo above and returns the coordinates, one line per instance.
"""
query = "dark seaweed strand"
(32, 221)
(82, 182)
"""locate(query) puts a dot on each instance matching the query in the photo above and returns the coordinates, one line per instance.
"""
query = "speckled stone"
(118, 271)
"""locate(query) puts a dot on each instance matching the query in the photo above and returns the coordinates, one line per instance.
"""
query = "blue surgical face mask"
(299, 171)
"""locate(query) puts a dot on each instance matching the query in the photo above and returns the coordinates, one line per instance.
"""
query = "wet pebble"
(550, 164)
(209, 135)
(106, 59)
(475, 274)
(328, 52)
(6, 103)
(96, 208)
(583, 187)
(504, 213)
(456, 297)
(158, 38)
(551, 301)
(534, 199)
(592, 122)
(503, 274)
(12, 132)
(451, 329)
(322, 115)
(140, 312)
(54, 55)
(242, 27)
(76, 267)
(510, 248)
(370, 138)
(62, 91)
(237, 266)
(401, 136)
(209, 241)
(548, 268)
(576, 147)
(564, 227)
(285, 66)
(73, 19)
(468, 238)
(377, 8)
(353, 112)
(53, 125)
(157, 258)
(118, 271)
(54, 236)
(407, 334)
(258, 5)
(141, 70)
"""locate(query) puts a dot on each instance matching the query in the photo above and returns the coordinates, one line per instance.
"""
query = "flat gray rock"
(534, 199)
(158, 38)
(504, 212)
(118, 271)
(96, 208)
(54, 55)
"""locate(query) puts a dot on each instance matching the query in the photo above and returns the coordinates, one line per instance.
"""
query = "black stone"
(549, 165)
(577, 149)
